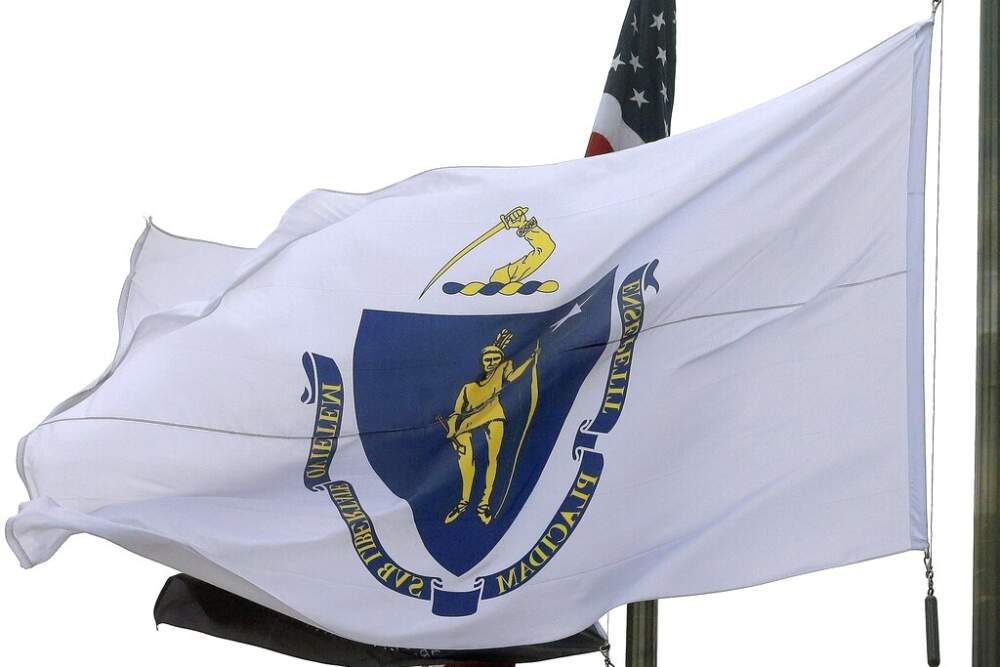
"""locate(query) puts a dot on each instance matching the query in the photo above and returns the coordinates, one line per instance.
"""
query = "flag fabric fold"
(482, 406)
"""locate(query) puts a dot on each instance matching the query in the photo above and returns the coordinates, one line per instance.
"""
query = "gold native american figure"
(478, 408)
(509, 278)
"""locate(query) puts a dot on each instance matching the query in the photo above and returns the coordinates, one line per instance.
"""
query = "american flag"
(638, 97)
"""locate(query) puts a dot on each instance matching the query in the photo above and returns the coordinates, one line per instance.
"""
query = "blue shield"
(410, 370)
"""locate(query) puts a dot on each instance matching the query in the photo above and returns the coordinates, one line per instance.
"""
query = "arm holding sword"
(542, 247)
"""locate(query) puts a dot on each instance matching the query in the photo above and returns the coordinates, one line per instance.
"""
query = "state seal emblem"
(458, 414)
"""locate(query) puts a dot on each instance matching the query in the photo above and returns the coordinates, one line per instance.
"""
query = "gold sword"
(500, 226)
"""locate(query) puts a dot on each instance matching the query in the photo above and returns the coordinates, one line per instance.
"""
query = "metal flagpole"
(986, 546)
(640, 634)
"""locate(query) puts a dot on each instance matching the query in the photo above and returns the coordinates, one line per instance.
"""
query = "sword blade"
(463, 252)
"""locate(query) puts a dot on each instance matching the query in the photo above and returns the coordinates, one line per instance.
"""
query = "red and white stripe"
(610, 131)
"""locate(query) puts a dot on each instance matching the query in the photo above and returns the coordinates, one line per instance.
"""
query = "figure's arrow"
(575, 310)
(500, 226)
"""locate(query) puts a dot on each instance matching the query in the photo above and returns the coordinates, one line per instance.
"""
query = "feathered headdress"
(502, 340)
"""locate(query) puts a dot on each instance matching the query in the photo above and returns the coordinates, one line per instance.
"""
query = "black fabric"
(186, 602)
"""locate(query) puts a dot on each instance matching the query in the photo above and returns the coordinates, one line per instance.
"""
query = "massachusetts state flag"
(482, 406)
(638, 97)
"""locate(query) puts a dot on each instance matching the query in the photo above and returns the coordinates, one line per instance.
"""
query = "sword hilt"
(516, 212)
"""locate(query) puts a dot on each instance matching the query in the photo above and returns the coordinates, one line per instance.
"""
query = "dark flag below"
(186, 602)
(638, 98)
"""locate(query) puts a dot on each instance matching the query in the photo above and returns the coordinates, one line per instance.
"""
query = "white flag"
(482, 406)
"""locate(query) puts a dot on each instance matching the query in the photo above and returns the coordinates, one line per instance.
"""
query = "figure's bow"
(527, 424)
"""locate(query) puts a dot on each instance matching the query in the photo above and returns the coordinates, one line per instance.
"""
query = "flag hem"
(915, 232)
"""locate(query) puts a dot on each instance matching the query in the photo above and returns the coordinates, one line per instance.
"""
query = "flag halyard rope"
(930, 601)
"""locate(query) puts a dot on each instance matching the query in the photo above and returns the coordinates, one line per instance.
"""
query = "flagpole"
(986, 541)
(640, 634)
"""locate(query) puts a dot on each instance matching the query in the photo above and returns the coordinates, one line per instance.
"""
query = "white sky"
(214, 117)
